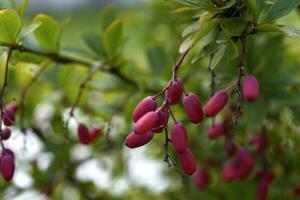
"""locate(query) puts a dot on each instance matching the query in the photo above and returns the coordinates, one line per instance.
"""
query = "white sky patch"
(22, 179)
(44, 160)
(28, 195)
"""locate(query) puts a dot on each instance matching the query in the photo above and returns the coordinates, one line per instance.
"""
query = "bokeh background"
(48, 168)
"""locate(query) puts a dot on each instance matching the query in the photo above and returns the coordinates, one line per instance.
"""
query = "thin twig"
(167, 158)
(213, 82)
(4, 85)
(179, 63)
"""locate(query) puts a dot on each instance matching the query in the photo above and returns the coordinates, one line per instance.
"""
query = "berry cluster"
(86, 135)
(7, 158)
(149, 119)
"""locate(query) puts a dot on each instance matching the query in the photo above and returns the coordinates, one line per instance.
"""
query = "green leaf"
(233, 26)
(186, 44)
(23, 7)
(191, 29)
(47, 34)
(285, 29)
(93, 41)
(112, 37)
(253, 7)
(218, 56)
(279, 9)
(28, 30)
(10, 25)
(157, 59)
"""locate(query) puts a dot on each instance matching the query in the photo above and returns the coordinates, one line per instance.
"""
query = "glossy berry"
(146, 123)
(216, 131)
(201, 178)
(229, 171)
(250, 88)
(179, 138)
(133, 140)
(5, 134)
(83, 134)
(216, 104)
(14, 107)
(95, 133)
(188, 162)
(8, 117)
(193, 108)
(174, 92)
(146, 105)
(230, 149)
(163, 115)
(244, 164)
(7, 165)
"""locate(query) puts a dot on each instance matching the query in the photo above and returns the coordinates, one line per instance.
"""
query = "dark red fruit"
(8, 117)
(146, 123)
(188, 162)
(296, 190)
(95, 132)
(262, 190)
(163, 115)
(250, 88)
(8, 152)
(133, 140)
(244, 164)
(260, 143)
(5, 134)
(7, 165)
(174, 92)
(215, 131)
(230, 149)
(216, 104)
(146, 105)
(193, 108)
(229, 171)
(202, 178)
(14, 107)
(179, 138)
(83, 134)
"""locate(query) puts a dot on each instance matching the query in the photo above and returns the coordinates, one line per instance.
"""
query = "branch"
(5, 82)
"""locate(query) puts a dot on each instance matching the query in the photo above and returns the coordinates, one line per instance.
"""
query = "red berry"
(229, 171)
(146, 105)
(95, 132)
(188, 162)
(230, 149)
(7, 165)
(133, 140)
(179, 138)
(163, 115)
(262, 190)
(215, 131)
(216, 104)
(146, 123)
(174, 92)
(202, 178)
(193, 108)
(8, 117)
(260, 143)
(250, 88)
(297, 190)
(8, 152)
(5, 134)
(83, 134)
(244, 164)
(14, 107)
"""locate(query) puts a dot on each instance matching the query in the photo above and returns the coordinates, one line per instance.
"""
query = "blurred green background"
(48, 168)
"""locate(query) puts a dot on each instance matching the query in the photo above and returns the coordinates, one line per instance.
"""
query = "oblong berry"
(14, 107)
(202, 178)
(146, 105)
(83, 134)
(7, 165)
(193, 108)
(259, 142)
(250, 88)
(216, 104)
(262, 190)
(188, 162)
(5, 134)
(174, 92)
(244, 164)
(179, 138)
(146, 123)
(215, 131)
(229, 171)
(95, 132)
(230, 149)
(8, 117)
(133, 140)
(163, 115)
